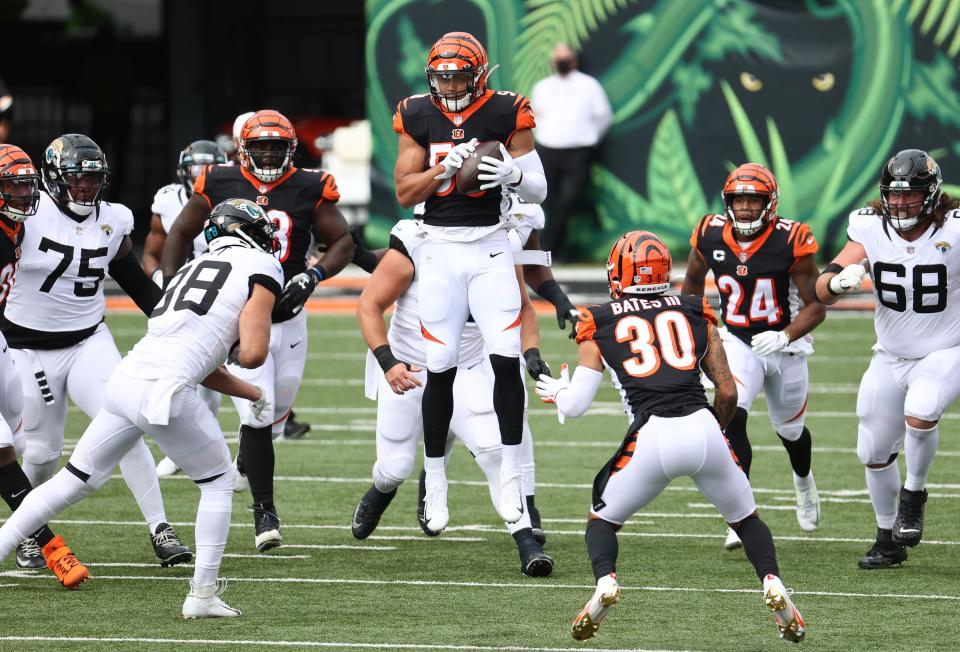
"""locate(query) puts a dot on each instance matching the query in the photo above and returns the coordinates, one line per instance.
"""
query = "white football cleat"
(167, 467)
(511, 496)
(587, 622)
(788, 618)
(205, 602)
(808, 504)
(733, 541)
(436, 514)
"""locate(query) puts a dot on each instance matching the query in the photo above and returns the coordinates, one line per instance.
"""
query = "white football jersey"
(197, 321)
(63, 263)
(167, 204)
(916, 284)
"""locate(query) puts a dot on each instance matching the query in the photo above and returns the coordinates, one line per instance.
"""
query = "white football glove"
(769, 342)
(849, 278)
(454, 159)
(261, 405)
(499, 173)
(548, 388)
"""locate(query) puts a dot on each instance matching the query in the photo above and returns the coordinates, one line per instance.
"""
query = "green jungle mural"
(820, 91)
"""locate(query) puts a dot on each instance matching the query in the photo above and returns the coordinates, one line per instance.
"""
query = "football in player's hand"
(467, 181)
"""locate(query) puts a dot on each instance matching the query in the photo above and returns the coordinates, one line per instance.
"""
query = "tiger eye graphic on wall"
(819, 92)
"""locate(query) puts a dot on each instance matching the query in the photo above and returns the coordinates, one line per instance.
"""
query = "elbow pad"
(574, 400)
(532, 187)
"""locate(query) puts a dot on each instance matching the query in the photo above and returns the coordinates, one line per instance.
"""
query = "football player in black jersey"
(656, 345)
(764, 268)
(302, 205)
(468, 266)
(19, 198)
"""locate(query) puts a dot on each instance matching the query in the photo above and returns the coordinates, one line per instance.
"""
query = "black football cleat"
(535, 524)
(421, 506)
(534, 562)
(367, 515)
(29, 554)
(908, 528)
(266, 523)
(293, 429)
(884, 553)
(168, 547)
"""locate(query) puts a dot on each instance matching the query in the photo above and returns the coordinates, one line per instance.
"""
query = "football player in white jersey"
(908, 240)
(399, 414)
(54, 325)
(216, 307)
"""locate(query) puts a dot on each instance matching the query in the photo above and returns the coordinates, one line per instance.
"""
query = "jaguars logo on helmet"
(243, 220)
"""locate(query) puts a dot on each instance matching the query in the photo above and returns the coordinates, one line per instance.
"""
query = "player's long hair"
(939, 213)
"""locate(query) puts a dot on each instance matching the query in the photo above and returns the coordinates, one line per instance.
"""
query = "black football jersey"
(756, 291)
(10, 240)
(289, 202)
(495, 115)
(654, 346)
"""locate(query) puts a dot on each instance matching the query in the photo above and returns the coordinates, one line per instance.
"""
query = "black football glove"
(568, 312)
(297, 291)
(535, 364)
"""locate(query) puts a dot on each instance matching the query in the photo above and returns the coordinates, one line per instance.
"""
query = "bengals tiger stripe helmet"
(457, 59)
(639, 263)
(266, 145)
(19, 184)
(751, 179)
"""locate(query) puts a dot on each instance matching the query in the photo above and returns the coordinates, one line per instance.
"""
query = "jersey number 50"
(674, 343)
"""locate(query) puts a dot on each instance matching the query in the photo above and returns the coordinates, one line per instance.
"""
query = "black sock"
(508, 398)
(799, 452)
(14, 487)
(758, 544)
(602, 547)
(256, 449)
(437, 408)
(736, 433)
(378, 498)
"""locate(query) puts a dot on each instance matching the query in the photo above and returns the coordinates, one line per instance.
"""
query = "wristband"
(385, 358)
(319, 271)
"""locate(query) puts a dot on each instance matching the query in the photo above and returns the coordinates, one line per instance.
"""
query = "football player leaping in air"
(656, 345)
(467, 267)
(909, 241)
(764, 267)
(54, 325)
(302, 205)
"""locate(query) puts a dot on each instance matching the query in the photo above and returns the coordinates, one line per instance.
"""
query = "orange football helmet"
(639, 263)
(457, 71)
(751, 179)
(19, 184)
(266, 145)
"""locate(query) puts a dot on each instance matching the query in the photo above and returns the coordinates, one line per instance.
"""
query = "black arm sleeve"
(552, 292)
(363, 257)
(129, 275)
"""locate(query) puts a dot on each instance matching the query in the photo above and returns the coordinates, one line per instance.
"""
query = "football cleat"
(421, 506)
(293, 429)
(808, 505)
(787, 616)
(587, 622)
(167, 467)
(29, 555)
(511, 497)
(267, 526)
(535, 523)
(367, 515)
(205, 602)
(436, 516)
(884, 553)
(733, 541)
(64, 564)
(908, 527)
(168, 547)
(534, 562)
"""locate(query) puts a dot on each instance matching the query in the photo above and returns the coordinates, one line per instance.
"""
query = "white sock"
(883, 485)
(804, 482)
(919, 447)
(435, 467)
(41, 505)
(37, 474)
(140, 474)
(528, 475)
(212, 528)
(511, 458)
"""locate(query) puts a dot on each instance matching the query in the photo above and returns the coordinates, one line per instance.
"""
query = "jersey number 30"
(674, 343)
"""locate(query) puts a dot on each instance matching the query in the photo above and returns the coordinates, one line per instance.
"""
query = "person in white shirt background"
(573, 114)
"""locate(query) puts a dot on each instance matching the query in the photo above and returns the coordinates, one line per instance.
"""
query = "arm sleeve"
(533, 183)
(577, 397)
(130, 277)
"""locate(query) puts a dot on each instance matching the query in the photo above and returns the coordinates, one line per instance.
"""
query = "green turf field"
(463, 590)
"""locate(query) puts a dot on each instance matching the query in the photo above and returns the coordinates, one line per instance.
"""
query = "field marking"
(317, 644)
(499, 585)
(318, 546)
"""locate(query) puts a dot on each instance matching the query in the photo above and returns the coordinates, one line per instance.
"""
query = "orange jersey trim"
(469, 111)
(427, 336)
(257, 183)
(515, 323)
(586, 326)
(708, 312)
(752, 247)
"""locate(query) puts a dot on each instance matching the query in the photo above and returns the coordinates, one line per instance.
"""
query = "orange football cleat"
(64, 564)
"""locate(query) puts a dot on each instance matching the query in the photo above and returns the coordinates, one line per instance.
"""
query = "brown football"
(467, 181)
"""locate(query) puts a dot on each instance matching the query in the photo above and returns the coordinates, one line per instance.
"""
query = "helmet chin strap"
(80, 209)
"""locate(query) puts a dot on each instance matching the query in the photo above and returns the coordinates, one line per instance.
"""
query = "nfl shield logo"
(263, 189)
(743, 256)
(741, 270)
(457, 120)
(457, 134)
